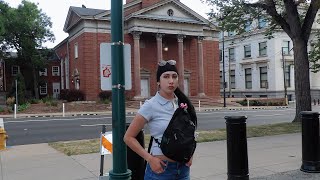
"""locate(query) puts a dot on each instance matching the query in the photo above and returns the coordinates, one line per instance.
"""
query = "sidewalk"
(272, 157)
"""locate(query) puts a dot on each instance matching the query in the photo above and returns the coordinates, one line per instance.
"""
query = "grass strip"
(92, 145)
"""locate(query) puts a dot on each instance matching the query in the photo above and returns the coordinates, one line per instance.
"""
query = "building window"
(231, 54)
(15, 70)
(55, 71)
(170, 12)
(220, 55)
(248, 78)
(232, 79)
(286, 47)
(43, 89)
(263, 49)
(247, 26)
(247, 51)
(43, 72)
(288, 78)
(231, 33)
(221, 80)
(263, 77)
(76, 55)
(261, 22)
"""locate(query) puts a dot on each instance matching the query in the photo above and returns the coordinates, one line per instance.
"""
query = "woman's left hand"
(189, 163)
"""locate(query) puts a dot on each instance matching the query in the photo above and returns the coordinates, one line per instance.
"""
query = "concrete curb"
(134, 111)
(245, 108)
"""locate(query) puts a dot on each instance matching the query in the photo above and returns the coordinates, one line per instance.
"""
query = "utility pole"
(223, 71)
(284, 77)
(16, 81)
(120, 169)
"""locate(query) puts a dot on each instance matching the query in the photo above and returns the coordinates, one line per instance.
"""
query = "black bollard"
(310, 142)
(237, 150)
(136, 162)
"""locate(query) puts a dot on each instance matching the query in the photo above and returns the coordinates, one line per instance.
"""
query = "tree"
(295, 17)
(21, 89)
(27, 30)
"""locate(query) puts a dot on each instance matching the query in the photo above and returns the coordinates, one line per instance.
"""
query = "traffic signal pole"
(120, 168)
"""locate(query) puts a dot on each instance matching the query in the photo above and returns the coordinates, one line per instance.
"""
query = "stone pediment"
(169, 10)
(76, 14)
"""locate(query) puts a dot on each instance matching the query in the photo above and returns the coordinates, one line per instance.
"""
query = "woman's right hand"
(156, 164)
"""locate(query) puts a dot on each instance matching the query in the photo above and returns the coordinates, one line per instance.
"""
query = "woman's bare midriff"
(165, 158)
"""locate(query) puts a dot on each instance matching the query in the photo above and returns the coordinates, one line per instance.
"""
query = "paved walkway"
(272, 157)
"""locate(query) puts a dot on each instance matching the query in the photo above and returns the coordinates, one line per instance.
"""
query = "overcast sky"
(57, 10)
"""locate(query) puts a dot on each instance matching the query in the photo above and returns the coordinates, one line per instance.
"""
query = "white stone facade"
(268, 67)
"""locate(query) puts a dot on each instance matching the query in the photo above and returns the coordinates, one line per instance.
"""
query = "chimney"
(129, 1)
(146, 3)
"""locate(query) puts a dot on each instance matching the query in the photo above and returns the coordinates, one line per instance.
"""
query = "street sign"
(106, 143)
(105, 66)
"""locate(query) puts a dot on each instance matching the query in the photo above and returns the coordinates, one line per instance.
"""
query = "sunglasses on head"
(163, 62)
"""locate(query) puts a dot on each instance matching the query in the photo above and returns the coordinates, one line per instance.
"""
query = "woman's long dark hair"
(183, 98)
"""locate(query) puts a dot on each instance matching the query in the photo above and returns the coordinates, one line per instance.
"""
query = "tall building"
(156, 30)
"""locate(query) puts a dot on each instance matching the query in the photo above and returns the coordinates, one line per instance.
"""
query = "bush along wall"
(263, 102)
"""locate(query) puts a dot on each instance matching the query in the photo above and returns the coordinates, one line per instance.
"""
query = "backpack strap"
(150, 144)
(149, 149)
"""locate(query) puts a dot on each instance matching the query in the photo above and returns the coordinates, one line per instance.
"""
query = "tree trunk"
(35, 83)
(302, 77)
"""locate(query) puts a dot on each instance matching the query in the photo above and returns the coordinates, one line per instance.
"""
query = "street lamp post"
(120, 167)
(284, 76)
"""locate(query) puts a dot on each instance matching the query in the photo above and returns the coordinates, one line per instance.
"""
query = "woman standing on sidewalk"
(157, 113)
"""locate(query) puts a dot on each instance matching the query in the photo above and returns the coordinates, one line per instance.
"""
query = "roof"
(76, 14)
(80, 11)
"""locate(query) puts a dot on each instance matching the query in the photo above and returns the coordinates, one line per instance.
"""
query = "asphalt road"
(43, 130)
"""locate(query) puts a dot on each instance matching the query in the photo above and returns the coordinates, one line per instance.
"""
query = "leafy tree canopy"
(24, 30)
(295, 17)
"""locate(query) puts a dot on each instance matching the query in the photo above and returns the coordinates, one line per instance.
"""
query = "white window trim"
(76, 52)
(55, 73)
(43, 73)
(18, 67)
(261, 49)
(46, 89)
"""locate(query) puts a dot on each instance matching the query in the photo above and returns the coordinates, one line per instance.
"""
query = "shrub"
(10, 101)
(23, 107)
(34, 101)
(263, 102)
(75, 95)
(1, 109)
(106, 101)
(64, 94)
(105, 95)
(52, 103)
(21, 89)
(47, 99)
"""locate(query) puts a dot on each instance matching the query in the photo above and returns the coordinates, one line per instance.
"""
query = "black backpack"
(178, 141)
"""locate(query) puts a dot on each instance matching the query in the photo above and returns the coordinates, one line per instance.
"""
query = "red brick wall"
(132, 9)
(50, 78)
(146, 3)
(211, 68)
(88, 62)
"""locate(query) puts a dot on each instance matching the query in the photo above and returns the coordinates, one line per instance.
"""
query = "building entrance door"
(145, 88)
(56, 90)
(186, 86)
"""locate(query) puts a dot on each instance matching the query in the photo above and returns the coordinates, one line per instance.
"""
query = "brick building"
(155, 29)
(49, 77)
